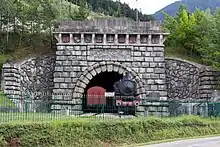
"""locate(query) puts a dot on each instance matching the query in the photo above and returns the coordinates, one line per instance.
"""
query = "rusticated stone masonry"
(88, 48)
(209, 84)
(10, 81)
(190, 81)
(30, 80)
(183, 79)
(74, 68)
(37, 77)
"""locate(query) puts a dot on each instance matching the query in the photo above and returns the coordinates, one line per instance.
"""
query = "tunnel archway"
(100, 67)
(105, 80)
(96, 69)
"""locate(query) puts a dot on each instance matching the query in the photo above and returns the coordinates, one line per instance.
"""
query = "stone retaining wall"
(189, 80)
(39, 77)
(32, 78)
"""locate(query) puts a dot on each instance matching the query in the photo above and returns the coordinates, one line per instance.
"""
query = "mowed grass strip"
(84, 132)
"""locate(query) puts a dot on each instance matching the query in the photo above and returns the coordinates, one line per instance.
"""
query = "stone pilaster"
(116, 39)
(82, 38)
(60, 38)
(93, 38)
(71, 38)
(149, 39)
(127, 39)
(104, 39)
(11, 81)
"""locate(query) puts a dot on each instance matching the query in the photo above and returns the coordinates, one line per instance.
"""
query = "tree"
(119, 12)
(83, 11)
(110, 7)
(208, 39)
(198, 33)
(182, 29)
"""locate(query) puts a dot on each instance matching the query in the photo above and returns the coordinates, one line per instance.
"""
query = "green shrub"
(84, 132)
(2, 141)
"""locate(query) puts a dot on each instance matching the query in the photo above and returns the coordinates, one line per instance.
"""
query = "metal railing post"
(26, 107)
(54, 105)
(102, 111)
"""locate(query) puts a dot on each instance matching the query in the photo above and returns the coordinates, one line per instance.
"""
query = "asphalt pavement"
(202, 142)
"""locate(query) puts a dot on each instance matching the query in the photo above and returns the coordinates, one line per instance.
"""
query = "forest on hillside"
(26, 28)
(194, 34)
(114, 8)
(26, 24)
(191, 4)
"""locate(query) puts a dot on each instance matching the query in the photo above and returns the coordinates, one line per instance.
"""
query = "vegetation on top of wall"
(29, 24)
(182, 53)
(196, 34)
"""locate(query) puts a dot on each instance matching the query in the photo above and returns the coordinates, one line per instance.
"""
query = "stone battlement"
(117, 31)
(110, 25)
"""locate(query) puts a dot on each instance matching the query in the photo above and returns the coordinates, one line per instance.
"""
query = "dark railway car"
(94, 100)
(96, 96)
(126, 97)
(126, 88)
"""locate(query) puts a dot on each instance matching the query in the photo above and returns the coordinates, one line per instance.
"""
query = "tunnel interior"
(105, 80)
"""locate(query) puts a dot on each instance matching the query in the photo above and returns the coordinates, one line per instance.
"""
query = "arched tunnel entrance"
(105, 80)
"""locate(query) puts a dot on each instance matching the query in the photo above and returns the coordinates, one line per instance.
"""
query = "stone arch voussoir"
(103, 66)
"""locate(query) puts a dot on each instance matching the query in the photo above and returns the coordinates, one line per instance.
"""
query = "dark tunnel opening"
(105, 80)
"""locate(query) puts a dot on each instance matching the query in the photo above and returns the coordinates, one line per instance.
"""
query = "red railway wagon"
(96, 96)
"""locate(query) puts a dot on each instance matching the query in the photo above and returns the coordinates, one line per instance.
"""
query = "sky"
(148, 6)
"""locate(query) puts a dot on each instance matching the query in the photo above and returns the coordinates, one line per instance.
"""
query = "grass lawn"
(99, 133)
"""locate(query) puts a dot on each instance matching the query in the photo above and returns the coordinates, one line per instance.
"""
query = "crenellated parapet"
(110, 32)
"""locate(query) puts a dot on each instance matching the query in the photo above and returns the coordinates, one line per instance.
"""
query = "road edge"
(168, 140)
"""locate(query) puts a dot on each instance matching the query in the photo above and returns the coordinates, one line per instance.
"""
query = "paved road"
(203, 142)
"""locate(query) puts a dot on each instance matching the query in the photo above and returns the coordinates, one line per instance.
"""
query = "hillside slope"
(65, 9)
(33, 36)
(191, 4)
(114, 8)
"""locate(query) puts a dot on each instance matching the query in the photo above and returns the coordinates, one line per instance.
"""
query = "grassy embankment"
(84, 132)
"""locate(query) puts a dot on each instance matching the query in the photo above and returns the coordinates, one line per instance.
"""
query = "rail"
(28, 109)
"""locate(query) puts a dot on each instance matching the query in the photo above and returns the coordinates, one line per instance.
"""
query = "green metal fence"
(37, 110)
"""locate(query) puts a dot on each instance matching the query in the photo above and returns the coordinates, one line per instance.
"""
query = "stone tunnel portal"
(105, 80)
